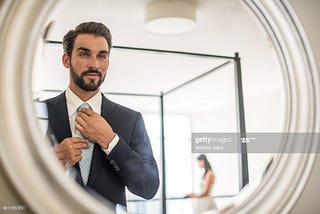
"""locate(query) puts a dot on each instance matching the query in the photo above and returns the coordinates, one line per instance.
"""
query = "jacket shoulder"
(52, 101)
(121, 108)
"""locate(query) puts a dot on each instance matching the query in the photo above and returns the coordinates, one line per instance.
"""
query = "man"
(106, 142)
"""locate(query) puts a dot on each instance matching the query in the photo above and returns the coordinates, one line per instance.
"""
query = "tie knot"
(84, 105)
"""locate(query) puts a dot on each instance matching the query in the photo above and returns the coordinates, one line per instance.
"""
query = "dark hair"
(207, 165)
(95, 28)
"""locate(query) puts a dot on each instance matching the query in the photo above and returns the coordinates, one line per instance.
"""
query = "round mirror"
(279, 80)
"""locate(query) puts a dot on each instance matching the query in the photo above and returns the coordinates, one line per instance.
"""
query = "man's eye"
(83, 54)
(101, 56)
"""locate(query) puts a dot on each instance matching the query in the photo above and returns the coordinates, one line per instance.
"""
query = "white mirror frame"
(32, 168)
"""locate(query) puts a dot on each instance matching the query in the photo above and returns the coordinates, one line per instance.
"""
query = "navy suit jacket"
(130, 163)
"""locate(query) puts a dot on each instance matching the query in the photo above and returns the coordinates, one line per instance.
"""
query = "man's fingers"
(86, 111)
(75, 159)
(58, 149)
(74, 144)
(80, 140)
(79, 128)
(77, 152)
(69, 150)
(81, 119)
(61, 155)
(81, 145)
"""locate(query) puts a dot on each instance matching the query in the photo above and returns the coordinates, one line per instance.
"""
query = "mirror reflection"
(147, 94)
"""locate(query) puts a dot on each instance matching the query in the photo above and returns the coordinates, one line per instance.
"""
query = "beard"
(80, 82)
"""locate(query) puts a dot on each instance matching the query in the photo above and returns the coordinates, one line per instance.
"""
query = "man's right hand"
(69, 150)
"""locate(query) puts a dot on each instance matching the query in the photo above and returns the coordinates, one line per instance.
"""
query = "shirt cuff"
(112, 144)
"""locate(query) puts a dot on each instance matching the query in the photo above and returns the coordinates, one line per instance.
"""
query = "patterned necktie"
(85, 162)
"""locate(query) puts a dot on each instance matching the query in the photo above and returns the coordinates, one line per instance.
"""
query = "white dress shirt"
(73, 103)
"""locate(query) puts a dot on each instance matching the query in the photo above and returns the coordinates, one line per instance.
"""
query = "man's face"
(88, 63)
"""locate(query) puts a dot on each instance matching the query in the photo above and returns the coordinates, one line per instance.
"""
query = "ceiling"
(223, 28)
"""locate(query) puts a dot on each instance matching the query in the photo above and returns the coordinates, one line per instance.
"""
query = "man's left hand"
(94, 127)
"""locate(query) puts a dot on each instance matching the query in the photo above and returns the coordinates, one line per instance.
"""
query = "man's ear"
(66, 60)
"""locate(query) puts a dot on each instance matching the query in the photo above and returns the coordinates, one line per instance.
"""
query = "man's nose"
(93, 63)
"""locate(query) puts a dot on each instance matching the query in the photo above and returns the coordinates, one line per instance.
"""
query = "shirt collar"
(73, 102)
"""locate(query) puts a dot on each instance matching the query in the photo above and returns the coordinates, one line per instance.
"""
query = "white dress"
(203, 204)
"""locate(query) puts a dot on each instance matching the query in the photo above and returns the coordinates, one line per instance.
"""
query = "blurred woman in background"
(204, 201)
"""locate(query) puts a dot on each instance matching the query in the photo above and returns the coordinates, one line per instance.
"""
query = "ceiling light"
(170, 17)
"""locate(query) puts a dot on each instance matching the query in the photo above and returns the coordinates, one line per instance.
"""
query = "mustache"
(92, 72)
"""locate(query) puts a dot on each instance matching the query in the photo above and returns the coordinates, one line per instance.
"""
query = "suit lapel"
(110, 113)
(59, 123)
